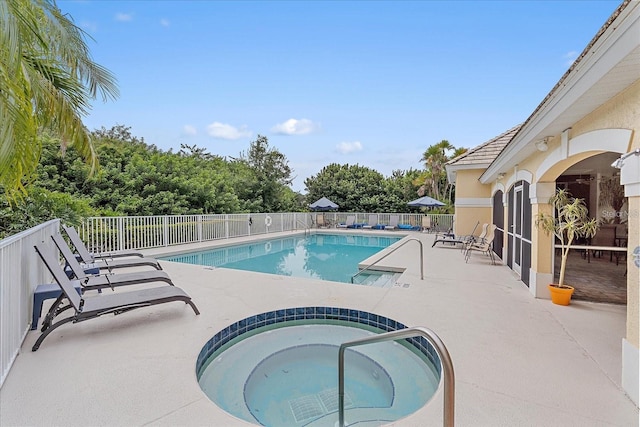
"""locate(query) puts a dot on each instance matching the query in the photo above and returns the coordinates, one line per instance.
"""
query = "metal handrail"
(445, 360)
(392, 251)
(306, 227)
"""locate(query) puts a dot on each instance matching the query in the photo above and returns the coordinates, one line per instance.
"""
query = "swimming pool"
(333, 257)
(279, 368)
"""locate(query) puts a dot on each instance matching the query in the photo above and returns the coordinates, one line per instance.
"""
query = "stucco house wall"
(473, 202)
(593, 109)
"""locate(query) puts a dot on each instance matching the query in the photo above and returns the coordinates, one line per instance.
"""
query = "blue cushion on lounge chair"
(408, 227)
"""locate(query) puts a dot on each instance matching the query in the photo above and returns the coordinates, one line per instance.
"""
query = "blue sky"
(372, 83)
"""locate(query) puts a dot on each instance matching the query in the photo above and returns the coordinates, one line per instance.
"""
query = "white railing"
(21, 271)
(103, 234)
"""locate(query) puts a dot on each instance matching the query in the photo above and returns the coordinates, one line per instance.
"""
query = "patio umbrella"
(425, 202)
(323, 204)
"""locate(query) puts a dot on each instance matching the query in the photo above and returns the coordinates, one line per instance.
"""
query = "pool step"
(360, 417)
(377, 279)
(311, 407)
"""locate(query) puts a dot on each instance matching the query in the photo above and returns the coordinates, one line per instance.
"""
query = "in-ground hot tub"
(280, 368)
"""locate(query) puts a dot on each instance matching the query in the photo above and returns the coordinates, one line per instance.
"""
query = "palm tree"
(435, 158)
(47, 80)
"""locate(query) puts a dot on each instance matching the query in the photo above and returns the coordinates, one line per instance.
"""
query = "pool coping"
(503, 342)
(228, 242)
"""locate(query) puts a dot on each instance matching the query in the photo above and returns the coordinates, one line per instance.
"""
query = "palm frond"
(47, 79)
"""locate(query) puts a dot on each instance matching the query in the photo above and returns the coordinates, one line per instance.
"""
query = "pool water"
(333, 257)
(288, 376)
(298, 384)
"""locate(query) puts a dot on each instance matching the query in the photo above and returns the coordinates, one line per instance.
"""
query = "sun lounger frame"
(116, 303)
(107, 263)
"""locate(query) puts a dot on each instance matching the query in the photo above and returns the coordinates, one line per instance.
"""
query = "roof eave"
(610, 47)
(453, 169)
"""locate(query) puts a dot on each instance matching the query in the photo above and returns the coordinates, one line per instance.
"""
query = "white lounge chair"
(393, 222)
(351, 219)
(372, 222)
(426, 224)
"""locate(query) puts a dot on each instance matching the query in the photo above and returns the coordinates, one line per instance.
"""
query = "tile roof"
(485, 153)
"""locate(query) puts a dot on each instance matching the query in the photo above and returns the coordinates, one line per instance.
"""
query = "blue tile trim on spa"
(268, 318)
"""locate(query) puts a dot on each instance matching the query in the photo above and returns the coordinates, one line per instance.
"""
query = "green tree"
(352, 187)
(399, 189)
(47, 80)
(41, 205)
(272, 174)
(195, 151)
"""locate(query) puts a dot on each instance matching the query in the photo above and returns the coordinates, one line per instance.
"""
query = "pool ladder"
(305, 226)
(429, 335)
(392, 251)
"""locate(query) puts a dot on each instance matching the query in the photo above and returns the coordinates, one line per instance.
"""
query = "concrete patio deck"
(518, 361)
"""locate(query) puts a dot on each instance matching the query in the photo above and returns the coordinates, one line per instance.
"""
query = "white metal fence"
(21, 271)
(142, 232)
(103, 234)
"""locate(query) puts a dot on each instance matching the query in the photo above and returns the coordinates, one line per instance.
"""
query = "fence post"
(165, 230)
(121, 236)
(199, 228)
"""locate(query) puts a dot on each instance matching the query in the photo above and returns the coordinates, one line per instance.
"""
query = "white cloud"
(124, 17)
(570, 57)
(89, 26)
(189, 130)
(165, 22)
(296, 127)
(349, 147)
(225, 131)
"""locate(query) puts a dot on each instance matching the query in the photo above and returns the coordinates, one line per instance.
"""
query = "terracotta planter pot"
(560, 296)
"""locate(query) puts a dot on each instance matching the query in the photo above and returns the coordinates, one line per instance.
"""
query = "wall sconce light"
(541, 145)
(620, 162)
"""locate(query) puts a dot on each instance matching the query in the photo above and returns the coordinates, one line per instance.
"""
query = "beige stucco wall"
(467, 218)
(613, 127)
(621, 112)
(469, 186)
(473, 202)
(473, 199)
(541, 243)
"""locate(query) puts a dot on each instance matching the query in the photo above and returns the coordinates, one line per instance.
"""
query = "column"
(629, 165)
(542, 255)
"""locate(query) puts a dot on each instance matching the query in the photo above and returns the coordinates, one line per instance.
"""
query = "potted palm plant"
(571, 221)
